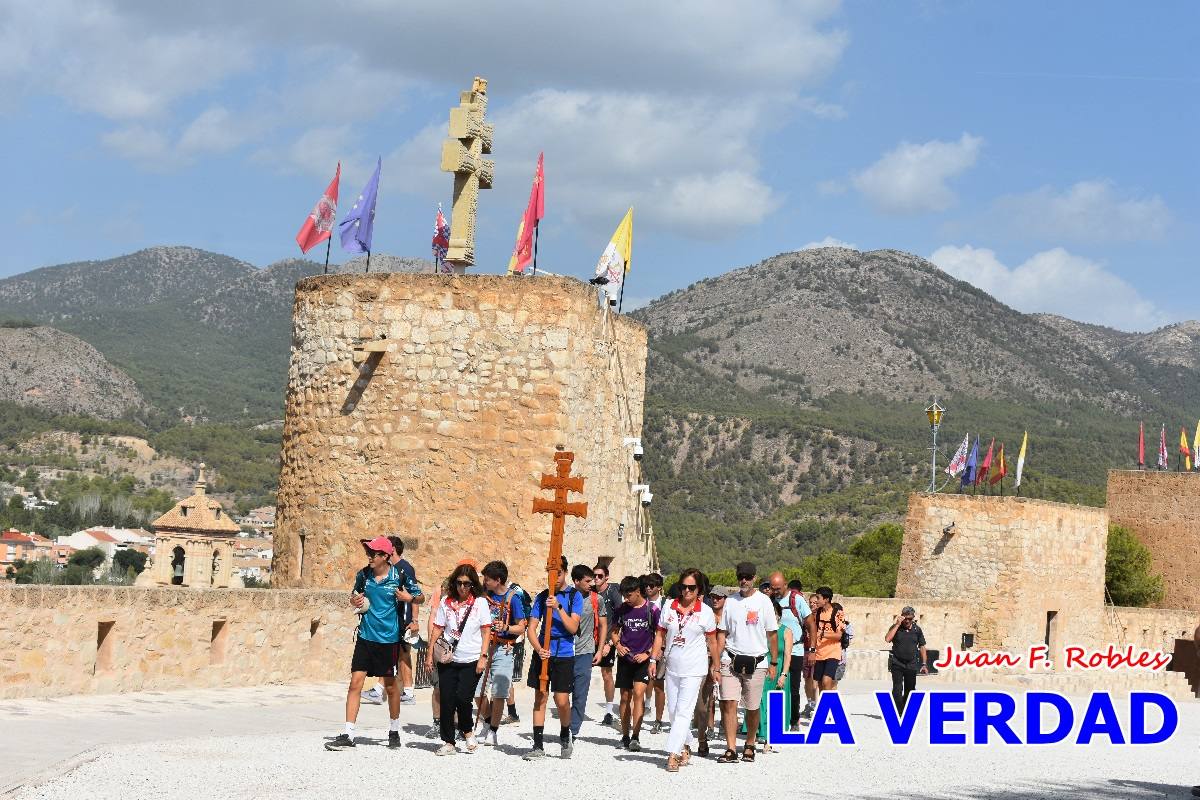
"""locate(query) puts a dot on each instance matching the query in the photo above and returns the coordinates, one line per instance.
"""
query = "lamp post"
(934, 412)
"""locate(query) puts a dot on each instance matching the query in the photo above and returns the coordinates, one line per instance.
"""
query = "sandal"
(672, 763)
(702, 748)
(686, 757)
(748, 753)
(728, 757)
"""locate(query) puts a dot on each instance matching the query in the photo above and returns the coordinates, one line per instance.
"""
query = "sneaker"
(445, 750)
(434, 732)
(472, 743)
(624, 742)
(657, 727)
(634, 745)
(481, 728)
(507, 720)
(340, 743)
(408, 699)
(809, 708)
(608, 720)
(393, 739)
(567, 747)
(491, 738)
(534, 754)
(373, 696)
(794, 727)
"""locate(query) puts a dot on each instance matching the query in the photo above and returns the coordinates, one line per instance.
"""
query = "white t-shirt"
(686, 638)
(746, 622)
(449, 617)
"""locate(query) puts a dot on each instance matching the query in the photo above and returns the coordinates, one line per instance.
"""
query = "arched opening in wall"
(216, 568)
(300, 556)
(218, 643)
(1052, 633)
(104, 646)
(177, 563)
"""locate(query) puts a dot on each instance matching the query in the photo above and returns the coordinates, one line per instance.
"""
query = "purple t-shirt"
(637, 627)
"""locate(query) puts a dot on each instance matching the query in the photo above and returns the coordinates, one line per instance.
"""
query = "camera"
(647, 497)
(636, 444)
(638, 452)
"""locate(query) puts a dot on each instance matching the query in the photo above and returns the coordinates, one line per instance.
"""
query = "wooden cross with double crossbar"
(561, 482)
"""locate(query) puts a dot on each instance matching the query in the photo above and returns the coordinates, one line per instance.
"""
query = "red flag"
(534, 211)
(319, 224)
(986, 465)
(1141, 444)
(1001, 466)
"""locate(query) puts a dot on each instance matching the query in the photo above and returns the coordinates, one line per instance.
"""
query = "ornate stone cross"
(561, 482)
(470, 139)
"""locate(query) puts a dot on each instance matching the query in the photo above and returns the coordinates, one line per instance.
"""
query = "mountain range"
(784, 399)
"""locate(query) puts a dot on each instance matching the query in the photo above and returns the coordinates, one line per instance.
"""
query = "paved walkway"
(266, 742)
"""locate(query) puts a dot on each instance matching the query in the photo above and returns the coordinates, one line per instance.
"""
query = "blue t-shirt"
(789, 620)
(381, 622)
(406, 609)
(516, 610)
(570, 601)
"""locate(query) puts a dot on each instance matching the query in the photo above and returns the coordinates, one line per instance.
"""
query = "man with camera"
(748, 632)
(907, 657)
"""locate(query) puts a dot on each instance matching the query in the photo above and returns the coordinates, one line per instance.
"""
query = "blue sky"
(1044, 154)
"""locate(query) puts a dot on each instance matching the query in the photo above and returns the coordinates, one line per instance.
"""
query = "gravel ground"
(295, 765)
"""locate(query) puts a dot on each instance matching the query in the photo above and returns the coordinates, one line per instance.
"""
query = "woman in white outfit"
(685, 649)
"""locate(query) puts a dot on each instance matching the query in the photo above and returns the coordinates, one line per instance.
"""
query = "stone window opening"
(178, 560)
(183, 511)
(219, 641)
(104, 646)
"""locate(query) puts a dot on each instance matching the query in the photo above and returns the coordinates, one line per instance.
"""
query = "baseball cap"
(722, 591)
(380, 544)
(908, 611)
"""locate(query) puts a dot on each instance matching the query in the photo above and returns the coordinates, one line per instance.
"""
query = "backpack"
(803, 629)
(596, 619)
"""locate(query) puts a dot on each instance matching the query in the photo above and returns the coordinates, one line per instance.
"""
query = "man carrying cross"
(563, 611)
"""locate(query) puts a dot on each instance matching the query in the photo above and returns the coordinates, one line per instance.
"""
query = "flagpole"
(368, 261)
(536, 226)
(328, 242)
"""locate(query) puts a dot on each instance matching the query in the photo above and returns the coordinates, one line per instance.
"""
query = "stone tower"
(193, 544)
(428, 406)
(1160, 509)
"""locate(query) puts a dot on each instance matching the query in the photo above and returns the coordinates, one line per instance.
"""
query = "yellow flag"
(1021, 459)
(614, 261)
(1196, 442)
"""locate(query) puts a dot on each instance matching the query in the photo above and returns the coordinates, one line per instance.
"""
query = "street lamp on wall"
(934, 413)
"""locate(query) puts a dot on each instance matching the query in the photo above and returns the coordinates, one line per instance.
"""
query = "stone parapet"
(1162, 509)
(57, 640)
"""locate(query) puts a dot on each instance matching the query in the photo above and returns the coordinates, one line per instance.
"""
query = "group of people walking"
(685, 652)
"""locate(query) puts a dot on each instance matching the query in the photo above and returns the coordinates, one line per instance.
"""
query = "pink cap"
(381, 544)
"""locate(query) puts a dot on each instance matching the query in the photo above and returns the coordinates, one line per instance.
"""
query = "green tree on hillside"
(1127, 575)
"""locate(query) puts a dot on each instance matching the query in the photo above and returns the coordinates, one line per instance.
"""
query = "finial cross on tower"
(462, 153)
(561, 482)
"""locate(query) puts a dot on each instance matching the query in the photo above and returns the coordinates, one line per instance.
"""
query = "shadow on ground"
(1096, 790)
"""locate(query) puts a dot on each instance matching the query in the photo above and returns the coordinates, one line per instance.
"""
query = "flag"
(986, 465)
(522, 253)
(1021, 460)
(1162, 448)
(441, 241)
(359, 224)
(319, 225)
(1196, 447)
(1142, 442)
(968, 475)
(959, 462)
(1184, 452)
(614, 261)
(1001, 467)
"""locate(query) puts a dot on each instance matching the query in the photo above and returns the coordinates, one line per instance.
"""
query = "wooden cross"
(561, 482)
(462, 153)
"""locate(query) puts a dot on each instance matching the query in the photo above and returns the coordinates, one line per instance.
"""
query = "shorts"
(629, 673)
(562, 673)
(606, 662)
(826, 668)
(747, 688)
(376, 659)
(500, 671)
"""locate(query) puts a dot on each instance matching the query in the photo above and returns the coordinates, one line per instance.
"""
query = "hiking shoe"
(634, 745)
(340, 743)
(446, 749)
(608, 720)
(567, 747)
(534, 754)
(373, 696)
(394, 739)
(624, 742)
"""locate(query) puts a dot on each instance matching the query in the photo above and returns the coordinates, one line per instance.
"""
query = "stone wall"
(1160, 508)
(442, 439)
(943, 621)
(1030, 568)
(1152, 628)
(57, 640)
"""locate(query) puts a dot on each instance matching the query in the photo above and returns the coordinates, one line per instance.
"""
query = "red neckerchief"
(684, 618)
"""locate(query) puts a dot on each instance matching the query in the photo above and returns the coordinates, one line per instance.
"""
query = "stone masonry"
(1033, 570)
(442, 438)
(1160, 509)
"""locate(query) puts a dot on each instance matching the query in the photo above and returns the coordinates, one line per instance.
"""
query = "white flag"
(1021, 460)
(959, 462)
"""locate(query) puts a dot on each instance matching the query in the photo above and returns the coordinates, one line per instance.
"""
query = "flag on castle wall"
(968, 475)
(522, 253)
(319, 225)
(1021, 460)
(1001, 467)
(986, 465)
(1162, 447)
(959, 462)
(1184, 451)
(358, 227)
(1196, 447)
(1142, 443)
(614, 261)
(441, 241)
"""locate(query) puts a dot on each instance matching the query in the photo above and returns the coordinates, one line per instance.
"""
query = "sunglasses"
(374, 553)
(462, 583)
(599, 576)
(688, 587)
(743, 577)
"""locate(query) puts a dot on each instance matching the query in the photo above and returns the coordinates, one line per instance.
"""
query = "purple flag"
(969, 473)
(359, 224)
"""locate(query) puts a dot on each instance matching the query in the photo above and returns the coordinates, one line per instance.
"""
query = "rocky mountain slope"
(52, 370)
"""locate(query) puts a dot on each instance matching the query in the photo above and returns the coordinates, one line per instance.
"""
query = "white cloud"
(139, 143)
(1054, 281)
(1090, 211)
(913, 178)
(829, 241)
